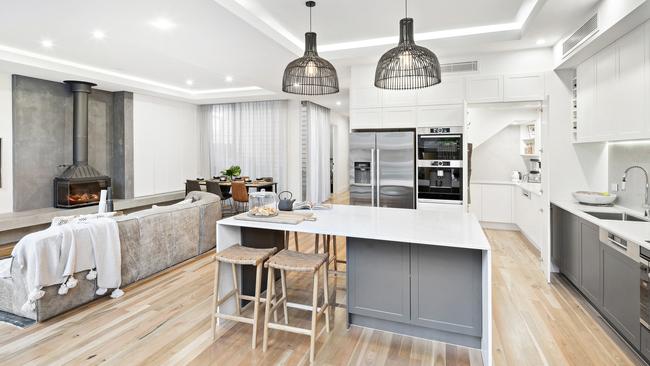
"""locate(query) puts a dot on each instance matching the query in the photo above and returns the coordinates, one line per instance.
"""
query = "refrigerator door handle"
(372, 177)
(377, 184)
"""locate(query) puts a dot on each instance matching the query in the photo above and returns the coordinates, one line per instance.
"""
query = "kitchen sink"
(617, 216)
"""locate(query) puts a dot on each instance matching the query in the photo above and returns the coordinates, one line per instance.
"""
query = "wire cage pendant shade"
(310, 74)
(407, 66)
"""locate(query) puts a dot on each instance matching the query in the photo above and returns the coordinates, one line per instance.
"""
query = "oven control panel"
(440, 163)
(440, 130)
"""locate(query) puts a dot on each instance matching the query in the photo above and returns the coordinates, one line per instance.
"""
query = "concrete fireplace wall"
(42, 138)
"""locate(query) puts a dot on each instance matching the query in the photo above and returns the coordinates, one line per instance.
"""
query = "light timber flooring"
(166, 321)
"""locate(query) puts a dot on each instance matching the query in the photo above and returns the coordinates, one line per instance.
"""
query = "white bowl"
(594, 198)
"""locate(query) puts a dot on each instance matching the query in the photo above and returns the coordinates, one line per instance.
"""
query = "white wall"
(496, 158)
(6, 191)
(622, 155)
(165, 144)
(341, 150)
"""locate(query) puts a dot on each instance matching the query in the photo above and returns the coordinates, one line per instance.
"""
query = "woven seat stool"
(292, 261)
(239, 255)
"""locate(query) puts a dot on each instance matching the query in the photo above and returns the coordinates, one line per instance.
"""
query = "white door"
(545, 205)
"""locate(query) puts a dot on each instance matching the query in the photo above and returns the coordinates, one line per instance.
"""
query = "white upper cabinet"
(365, 118)
(632, 81)
(441, 115)
(523, 87)
(613, 89)
(399, 98)
(586, 75)
(484, 89)
(365, 98)
(403, 117)
(450, 91)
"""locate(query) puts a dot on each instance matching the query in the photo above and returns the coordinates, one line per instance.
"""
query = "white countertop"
(535, 188)
(449, 226)
(634, 231)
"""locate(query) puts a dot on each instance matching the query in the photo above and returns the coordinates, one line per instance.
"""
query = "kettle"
(286, 203)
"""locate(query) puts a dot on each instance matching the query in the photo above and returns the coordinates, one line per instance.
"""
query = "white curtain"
(316, 129)
(251, 135)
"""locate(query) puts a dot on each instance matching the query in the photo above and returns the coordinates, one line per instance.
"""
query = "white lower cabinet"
(492, 202)
(528, 214)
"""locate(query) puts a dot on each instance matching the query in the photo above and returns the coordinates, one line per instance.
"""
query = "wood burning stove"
(80, 184)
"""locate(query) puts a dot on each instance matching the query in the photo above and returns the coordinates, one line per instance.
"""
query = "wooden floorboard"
(165, 320)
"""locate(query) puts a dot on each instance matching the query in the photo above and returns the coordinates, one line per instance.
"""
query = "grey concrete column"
(122, 149)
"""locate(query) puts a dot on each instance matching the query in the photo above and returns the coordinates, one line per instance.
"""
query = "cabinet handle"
(618, 244)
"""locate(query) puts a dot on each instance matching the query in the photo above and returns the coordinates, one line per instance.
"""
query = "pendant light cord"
(310, 18)
(406, 8)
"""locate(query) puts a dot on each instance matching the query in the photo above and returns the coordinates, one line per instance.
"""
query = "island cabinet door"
(446, 291)
(378, 279)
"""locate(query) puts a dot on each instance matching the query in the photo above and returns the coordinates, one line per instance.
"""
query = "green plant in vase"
(233, 171)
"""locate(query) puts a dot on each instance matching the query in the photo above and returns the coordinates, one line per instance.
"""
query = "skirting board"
(415, 331)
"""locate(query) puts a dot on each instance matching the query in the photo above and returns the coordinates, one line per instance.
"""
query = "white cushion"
(5, 268)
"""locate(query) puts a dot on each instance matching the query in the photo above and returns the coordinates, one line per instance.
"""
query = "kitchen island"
(423, 273)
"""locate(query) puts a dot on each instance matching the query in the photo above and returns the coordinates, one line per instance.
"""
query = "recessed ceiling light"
(229, 79)
(189, 82)
(47, 43)
(540, 42)
(98, 34)
(338, 102)
(163, 24)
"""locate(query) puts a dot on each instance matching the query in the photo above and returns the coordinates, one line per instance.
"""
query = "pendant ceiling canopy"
(310, 74)
(407, 66)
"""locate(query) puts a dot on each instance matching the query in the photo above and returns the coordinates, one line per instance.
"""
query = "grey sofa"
(151, 241)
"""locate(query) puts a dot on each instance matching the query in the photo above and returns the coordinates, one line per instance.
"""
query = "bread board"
(288, 218)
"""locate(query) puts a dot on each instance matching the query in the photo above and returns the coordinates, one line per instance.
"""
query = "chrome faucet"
(646, 205)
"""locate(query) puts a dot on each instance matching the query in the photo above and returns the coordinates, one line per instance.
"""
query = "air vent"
(582, 34)
(468, 66)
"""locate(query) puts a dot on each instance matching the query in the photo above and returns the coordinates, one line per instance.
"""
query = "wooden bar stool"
(287, 260)
(287, 239)
(235, 255)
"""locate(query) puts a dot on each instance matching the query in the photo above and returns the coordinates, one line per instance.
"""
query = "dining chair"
(191, 186)
(213, 186)
(240, 193)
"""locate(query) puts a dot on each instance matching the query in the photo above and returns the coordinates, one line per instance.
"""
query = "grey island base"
(418, 273)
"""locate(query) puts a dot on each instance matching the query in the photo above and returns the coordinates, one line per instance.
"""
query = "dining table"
(257, 184)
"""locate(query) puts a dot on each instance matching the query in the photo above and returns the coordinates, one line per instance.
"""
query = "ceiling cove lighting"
(407, 66)
(163, 24)
(310, 74)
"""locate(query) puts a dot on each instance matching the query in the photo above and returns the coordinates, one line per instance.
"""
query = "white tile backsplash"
(622, 156)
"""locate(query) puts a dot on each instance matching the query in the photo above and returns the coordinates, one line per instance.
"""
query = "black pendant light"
(407, 66)
(310, 74)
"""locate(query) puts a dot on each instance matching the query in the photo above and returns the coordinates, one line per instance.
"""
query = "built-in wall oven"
(440, 165)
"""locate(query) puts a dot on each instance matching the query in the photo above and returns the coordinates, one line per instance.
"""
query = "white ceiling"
(253, 40)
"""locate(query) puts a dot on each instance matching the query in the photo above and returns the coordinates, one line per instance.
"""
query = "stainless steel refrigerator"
(382, 169)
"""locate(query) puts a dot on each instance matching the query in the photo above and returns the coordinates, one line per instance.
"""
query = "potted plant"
(233, 171)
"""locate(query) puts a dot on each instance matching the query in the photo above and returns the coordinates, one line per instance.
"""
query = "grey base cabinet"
(379, 279)
(422, 290)
(621, 293)
(591, 279)
(446, 289)
(608, 278)
(571, 247)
